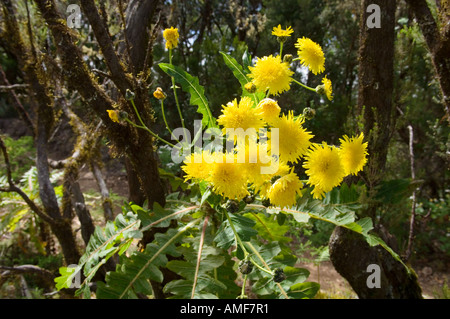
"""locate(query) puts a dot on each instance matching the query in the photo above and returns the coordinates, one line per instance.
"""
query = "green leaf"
(67, 276)
(304, 290)
(103, 244)
(133, 275)
(294, 276)
(241, 76)
(244, 227)
(269, 228)
(190, 84)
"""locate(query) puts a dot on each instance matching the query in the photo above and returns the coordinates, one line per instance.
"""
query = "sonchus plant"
(231, 227)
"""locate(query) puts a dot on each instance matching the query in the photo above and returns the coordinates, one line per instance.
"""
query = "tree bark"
(438, 42)
(349, 253)
(136, 144)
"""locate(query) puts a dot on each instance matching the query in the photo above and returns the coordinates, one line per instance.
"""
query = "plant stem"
(306, 87)
(151, 132)
(281, 50)
(267, 266)
(165, 120)
(243, 286)
(199, 255)
(175, 92)
(238, 239)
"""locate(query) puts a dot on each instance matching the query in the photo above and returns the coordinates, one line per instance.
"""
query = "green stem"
(306, 87)
(238, 239)
(260, 268)
(175, 93)
(267, 266)
(151, 132)
(281, 50)
(165, 120)
(243, 286)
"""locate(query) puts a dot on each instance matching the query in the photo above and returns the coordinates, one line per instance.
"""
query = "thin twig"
(4, 88)
(413, 207)
(13, 188)
(199, 255)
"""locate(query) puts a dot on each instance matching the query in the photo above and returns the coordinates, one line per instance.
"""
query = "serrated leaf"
(241, 76)
(244, 227)
(304, 290)
(269, 228)
(66, 278)
(132, 276)
(191, 85)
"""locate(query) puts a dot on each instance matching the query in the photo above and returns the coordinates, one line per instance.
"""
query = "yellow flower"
(353, 153)
(159, 94)
(228, 179)
(269, 109)
(311, 55)
(171, 35)
(270, 73)
(197, 165)
(293, 141)
(317, 193)
(324, 167)
(240, 115)
(113, 115)
(277, 31)
(284, 191)
(250, 87)
(328, 88)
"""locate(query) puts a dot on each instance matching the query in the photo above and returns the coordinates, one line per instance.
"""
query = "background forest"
(66, 168)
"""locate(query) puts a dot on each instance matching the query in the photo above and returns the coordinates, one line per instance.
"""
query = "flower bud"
(129, 95)
(245, 266)
(309, 113)
(250, 87)
(320, 89)
(279, 275)
(123, 115)
(288, 58)
(282, 39)
(232, 206)
(159, 94)
(113, 115)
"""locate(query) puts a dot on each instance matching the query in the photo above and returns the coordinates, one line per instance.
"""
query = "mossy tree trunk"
(351, 255)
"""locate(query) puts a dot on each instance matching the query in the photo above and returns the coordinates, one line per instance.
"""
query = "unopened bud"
(279, 275)
(129, 95)
(281, 39)
(288, 58)
(159, 94)
(123, 115)
(320, 89)
(309, 113)
(250, 87)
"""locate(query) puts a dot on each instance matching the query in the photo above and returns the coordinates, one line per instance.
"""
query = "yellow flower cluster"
(171, 36)
(235, 174)
(263, 163)
(272, 74)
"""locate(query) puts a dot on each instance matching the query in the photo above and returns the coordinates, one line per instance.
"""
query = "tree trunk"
(438, 42)
(350, 254)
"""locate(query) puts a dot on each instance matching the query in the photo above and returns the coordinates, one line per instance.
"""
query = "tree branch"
(438, 43)
(118, 73)
(13, 188)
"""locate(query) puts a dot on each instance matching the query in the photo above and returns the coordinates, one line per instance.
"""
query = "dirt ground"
(334, 285)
